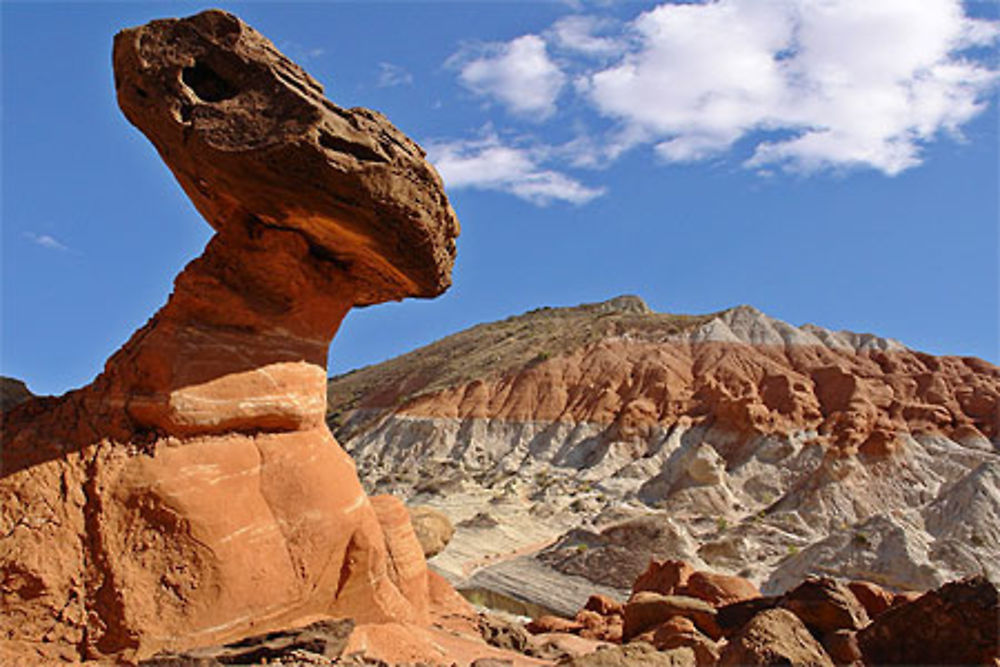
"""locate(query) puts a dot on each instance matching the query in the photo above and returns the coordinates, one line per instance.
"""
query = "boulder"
(774, 637)
(842, 647)
(193, 493)
(433, 529)
(646, 610)
(547, 623)
(680, 632)
(604, 606)
(719, 589)
(732, 617)
(872, 597)
(955, 624)
(905, 597)
(663, 576)
(639, 654)
(825, 605)
(595, 626)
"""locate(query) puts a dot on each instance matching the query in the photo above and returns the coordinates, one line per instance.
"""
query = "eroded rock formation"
(607, 434)
(193, 492)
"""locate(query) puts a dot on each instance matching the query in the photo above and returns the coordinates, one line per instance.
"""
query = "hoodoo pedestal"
(193, 494)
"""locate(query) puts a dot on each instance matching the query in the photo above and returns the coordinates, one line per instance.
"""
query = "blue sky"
(834, 163)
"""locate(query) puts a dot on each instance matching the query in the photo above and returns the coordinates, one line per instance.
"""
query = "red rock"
(192, 493)
(905, 597)
(596, 626)
(663, 576)
(604, 606)
(646, 610)
(825, 605)
(955, 624)
(446, 602)
(842, 647)
(732, 617)
(548, 623)
(857, 399)
(719, 589)
(774, 637)
(673, 634)
(872, 597)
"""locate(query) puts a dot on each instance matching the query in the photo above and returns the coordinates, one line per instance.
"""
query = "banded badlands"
(570, 445)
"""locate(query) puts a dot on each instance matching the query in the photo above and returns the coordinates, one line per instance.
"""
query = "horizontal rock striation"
(193, 493)
(731, 440)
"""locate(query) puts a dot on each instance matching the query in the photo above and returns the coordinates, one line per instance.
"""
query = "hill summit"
(579, 442)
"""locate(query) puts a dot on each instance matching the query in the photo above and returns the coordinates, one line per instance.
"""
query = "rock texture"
(774, 637)
(958, 624)
(320, 641)
(13, 392)
(193, 493)
(600, 436)
(433, 529)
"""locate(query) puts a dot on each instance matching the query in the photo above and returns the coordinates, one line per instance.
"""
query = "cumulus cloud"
(791, 85)
(487, 163)
(841, 83)
(390, 75)
(518, 74)
(583, 34)
(46, 241)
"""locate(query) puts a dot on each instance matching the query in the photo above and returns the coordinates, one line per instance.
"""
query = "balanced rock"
(193, 493)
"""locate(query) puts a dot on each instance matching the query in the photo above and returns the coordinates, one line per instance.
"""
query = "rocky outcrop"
(954, 625)
(646, 610)
(316, 643)
(639, 654)
(193, 493)
(673, 577)
(774, 637)
(825, 606)
(601, 436)
(12, 392)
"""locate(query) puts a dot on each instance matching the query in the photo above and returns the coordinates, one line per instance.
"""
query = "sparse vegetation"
(491, 350)
(721, 524)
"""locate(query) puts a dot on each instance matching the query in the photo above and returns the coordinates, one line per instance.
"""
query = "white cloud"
(581, 33)
(519, 74)
(46, 241)
(845, 82)
(488, 164)
(390, 75)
